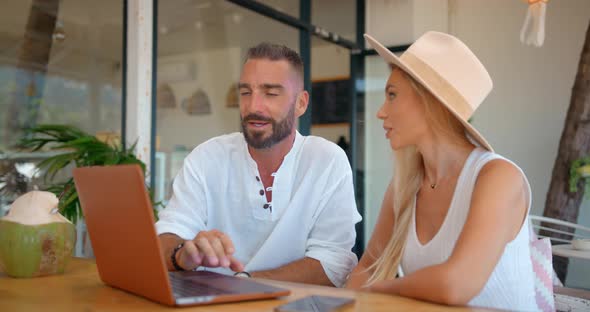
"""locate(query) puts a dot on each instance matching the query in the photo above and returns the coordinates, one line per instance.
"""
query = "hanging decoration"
(232, 98)
(197, 104)
(533, 29)
(165, 96)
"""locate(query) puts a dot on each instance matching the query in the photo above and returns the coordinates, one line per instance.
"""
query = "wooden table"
(80, 289)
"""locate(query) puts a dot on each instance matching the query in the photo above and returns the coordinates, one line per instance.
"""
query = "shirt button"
(265, 206)
(261, 192)
(258, 179)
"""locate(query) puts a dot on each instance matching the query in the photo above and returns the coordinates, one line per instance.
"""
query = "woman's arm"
(379, 239)
(498, 209)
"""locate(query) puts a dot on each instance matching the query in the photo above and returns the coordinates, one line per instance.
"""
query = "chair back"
(565, 231)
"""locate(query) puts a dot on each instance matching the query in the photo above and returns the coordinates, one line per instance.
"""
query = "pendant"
(433, 186)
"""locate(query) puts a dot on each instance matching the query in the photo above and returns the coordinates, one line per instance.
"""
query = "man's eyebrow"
(243, 85)
(272, 86)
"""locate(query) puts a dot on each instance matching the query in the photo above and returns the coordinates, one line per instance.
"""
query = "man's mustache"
(256, 117)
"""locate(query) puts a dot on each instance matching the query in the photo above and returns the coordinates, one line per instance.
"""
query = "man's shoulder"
(319, 148)
(230, 139)
(218, 147)
(221, 143)
(319, 144)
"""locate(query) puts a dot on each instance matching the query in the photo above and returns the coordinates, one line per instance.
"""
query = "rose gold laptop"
(120, 221)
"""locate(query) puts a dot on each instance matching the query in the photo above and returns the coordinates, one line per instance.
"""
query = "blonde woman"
(453, 224)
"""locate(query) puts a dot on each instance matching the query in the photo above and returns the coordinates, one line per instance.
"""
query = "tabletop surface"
(80, 289)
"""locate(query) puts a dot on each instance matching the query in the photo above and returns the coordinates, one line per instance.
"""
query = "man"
(267, 202)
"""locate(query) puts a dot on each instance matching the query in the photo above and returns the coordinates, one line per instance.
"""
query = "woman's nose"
(381, 114)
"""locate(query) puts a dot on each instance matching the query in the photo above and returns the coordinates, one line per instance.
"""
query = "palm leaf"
(80, 149)
(54, 164)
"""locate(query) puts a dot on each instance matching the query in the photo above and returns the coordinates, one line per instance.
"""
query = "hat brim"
(391, 58)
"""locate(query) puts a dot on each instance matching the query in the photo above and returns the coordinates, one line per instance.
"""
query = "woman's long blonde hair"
(407, 179)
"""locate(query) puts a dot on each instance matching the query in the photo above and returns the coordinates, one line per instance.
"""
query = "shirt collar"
(288, 158)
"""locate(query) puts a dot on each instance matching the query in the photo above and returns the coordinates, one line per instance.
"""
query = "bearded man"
(267, 202)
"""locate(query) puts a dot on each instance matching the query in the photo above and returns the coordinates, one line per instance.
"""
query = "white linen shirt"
(313, 205)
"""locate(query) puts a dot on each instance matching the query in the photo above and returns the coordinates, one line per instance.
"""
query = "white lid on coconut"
(35, 208)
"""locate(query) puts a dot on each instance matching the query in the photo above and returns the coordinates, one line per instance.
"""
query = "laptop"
(120, 222)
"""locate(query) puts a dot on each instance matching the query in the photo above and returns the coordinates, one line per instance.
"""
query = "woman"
(454, 217)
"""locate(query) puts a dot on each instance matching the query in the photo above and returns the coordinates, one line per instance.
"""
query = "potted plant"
(579, 169)
(77, 148)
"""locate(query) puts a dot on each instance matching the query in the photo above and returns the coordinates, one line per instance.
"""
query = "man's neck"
(270, 159)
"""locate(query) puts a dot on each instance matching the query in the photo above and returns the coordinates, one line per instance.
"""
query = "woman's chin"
(395, 145)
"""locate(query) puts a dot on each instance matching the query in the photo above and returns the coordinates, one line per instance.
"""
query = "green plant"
(80, 149)
(576, 174)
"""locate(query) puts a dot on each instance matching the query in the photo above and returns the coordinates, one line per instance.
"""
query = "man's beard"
(280, 130)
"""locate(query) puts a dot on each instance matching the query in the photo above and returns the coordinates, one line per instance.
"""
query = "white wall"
(329, 61)
(524, 115)
(215, 71)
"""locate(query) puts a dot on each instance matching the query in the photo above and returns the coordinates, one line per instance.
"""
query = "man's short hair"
(277, 52)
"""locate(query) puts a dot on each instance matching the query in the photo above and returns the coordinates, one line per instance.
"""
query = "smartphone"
(315, 304)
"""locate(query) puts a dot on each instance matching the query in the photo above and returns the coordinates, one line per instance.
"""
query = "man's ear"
(301, 103)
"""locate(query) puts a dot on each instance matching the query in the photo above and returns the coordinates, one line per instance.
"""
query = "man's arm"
(185, 214)
(306, 270)
(209, 248)
(169, 241)
(333, 234)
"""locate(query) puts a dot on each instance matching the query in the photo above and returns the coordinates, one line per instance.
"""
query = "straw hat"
(449, 70)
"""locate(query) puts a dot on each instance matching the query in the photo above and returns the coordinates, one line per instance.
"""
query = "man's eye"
(244, 93)
(272, 94)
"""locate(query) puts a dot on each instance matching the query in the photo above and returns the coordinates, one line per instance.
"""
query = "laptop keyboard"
(184, 287)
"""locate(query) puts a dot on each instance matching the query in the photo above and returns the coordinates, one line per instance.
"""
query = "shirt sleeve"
(186, 213)
(333, 235)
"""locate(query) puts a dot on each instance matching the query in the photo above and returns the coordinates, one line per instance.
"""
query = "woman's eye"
(391, 95)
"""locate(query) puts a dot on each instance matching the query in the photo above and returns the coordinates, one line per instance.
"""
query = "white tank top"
(511, 285)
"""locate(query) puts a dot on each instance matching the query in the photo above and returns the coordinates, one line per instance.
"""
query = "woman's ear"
(301, 103)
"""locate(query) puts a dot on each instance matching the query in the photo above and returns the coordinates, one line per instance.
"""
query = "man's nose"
(257, 103)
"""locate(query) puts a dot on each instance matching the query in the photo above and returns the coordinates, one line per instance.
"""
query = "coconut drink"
(35, 240)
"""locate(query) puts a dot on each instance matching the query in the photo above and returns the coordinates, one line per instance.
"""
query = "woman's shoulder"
(497, 167)
(502, 181)
(502, 195)
(502, 168)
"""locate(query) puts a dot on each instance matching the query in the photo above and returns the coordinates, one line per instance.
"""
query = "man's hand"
(210, 249)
